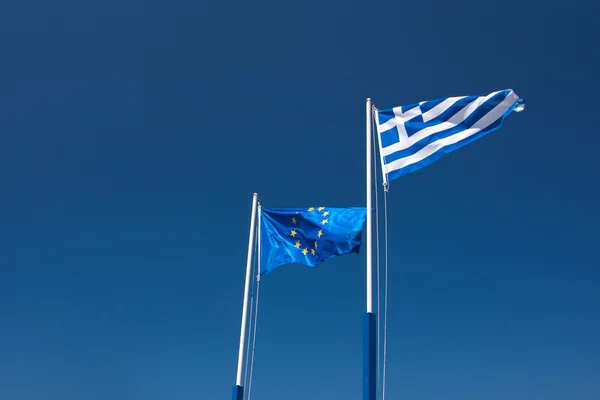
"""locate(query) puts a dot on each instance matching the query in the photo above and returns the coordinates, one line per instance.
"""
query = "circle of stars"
(324, 221)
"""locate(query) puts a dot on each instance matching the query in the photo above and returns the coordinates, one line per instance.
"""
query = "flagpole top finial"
(368, 99)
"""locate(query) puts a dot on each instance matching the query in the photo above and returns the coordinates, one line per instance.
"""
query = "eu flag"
(308, 236)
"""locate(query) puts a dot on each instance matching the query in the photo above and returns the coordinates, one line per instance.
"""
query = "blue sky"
(133, 135)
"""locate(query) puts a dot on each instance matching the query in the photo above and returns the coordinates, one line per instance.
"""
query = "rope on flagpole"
(386, 188)
(254, 336)
(257, 286)
(252, 290)
(248, 345)
(385, 240)
(377, 252)
(385, 302)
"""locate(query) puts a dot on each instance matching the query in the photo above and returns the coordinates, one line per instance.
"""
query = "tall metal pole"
(238, 389)
(369, 213)
(370, 319)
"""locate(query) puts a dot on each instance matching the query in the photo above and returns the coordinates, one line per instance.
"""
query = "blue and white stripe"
(414, 136)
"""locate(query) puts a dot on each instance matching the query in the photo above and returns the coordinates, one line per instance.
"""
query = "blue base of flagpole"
(238, 393)
(369, 357)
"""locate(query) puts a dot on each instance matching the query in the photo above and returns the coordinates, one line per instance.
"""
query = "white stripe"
(440, 108)
(389, 124)
(430, 149)
(399, 118)
(431, 130)
(410, 114)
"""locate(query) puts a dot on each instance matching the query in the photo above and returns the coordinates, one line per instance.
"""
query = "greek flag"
(414, 136)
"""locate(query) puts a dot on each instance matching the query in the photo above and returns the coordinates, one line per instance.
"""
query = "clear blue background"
(133, 134)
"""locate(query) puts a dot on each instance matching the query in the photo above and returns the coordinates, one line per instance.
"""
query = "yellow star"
(321, 208)
(326, 213)
(305, 251)
(294, 220)
(311, 209)
(312, 251)
(293, 233)
(324, 222)
(298, 244)
(320, 233)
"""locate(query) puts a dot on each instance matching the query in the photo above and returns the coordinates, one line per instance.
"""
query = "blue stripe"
(389, 137)
(464, 125)
(445, 116)
(416, 121)
(414, 125)
(428, 105)
(448, 149)
(409, 107)
(385, 115)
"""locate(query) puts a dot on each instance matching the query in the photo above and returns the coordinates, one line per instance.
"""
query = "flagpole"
(369, 321)
(238, 389)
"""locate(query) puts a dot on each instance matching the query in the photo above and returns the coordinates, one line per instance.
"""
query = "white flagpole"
(369, 215)
(370, 319)
(258, 228)
(238, 390)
